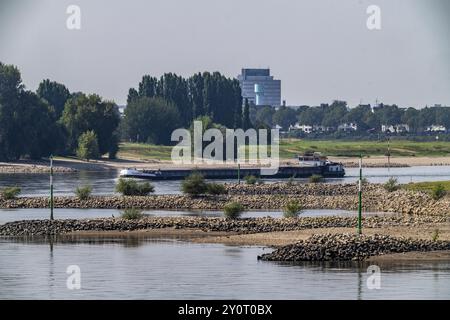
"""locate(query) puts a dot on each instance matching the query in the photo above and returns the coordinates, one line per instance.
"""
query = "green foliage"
(130, 187)
(9, 193)
(435, 236)
(84, 113)
(438, 192)
(215, 189)
(88, 146)
(55, 94)
(194, 184)
(391, 185)
(251, 179)
(83, 193)
(132, 214)
(233, 210)
(292, 209)
(315, 178)
(27, 123)
(150, 120)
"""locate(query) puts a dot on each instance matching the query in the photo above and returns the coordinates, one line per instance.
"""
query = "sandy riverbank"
(72, 165)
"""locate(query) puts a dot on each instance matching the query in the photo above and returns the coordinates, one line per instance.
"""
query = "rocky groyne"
(346, 247)
(242, 226)
(261, 197)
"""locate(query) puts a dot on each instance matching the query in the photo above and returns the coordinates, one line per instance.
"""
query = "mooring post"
(51, 187)
(360, 196)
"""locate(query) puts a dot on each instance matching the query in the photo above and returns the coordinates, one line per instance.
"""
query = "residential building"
(397, 128)
(436, 128)
(348, 127)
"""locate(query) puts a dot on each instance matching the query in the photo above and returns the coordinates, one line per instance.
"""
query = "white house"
(398, 128)
(347, 127)
(304, 128)
(436, 128)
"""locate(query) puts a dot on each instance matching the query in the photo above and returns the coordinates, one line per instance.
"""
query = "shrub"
(83, 193)
(233, 210)
(251, 179)
(292, 209)
(215, 188)
(132, 214)
(129, 187)
(435, 236)
(194, 184)
(438, 192)
(315, 178)
(391, 185)
(364, 181)
(88, 146)
(10, 192)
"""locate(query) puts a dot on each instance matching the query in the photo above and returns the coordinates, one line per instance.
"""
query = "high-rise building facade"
(260, 88)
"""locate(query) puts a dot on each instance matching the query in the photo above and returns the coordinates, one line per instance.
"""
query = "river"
(139, 268)
(103, 181)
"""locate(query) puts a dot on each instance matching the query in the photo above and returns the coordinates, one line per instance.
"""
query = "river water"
(139, 268)
(134, 267)
(103, 181)
(8, 215)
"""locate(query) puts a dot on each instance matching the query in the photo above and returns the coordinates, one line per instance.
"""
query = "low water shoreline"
(70, 165)
(277, 233)
(259, 197)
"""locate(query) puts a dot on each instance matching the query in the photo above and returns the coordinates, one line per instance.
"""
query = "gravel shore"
(345, 247)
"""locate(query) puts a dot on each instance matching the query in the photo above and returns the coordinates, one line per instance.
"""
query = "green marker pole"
(239, 173)
(51, 187)
(360, 196)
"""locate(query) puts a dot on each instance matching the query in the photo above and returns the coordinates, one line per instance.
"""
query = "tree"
(84, 113)
(246, 117)
(88, 146)
(27, 123)
(150, 120)
(284, 117)
(55, 94)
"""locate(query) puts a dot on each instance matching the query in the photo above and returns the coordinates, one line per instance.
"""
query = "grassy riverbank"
(290, 147)
(427, 186)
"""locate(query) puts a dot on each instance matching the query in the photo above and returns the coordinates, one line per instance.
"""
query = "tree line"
(158, 106)
(53, 120)
(366, 117)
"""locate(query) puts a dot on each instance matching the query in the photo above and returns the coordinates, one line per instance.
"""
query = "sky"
(321, 50)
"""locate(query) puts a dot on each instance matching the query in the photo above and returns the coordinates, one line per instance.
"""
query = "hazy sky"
(320, 49)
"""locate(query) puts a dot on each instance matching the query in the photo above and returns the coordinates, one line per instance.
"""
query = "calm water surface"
(8, 215)
(136, 268)
(103, 182)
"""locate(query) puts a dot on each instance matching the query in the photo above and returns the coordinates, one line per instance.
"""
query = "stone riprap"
(262, 197)
(346, 247)
(243, 226)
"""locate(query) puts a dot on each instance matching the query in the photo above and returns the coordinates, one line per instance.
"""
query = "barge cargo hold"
(308, 166)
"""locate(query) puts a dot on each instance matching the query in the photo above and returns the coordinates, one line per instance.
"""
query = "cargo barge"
(309, 164)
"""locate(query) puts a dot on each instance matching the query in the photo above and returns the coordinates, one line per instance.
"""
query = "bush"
(9, 193)
(83, 193)
(215, 188)
(129, 187)
(438, 192)
(132, 214)
(315, 178)
(391, 185)
(233, 210)
(292, 209)
(435, 236)
(194, 184)
(251, 179)
(88, 146)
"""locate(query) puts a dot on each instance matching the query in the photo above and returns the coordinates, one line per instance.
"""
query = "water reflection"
(138, 268)
(103, 181)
